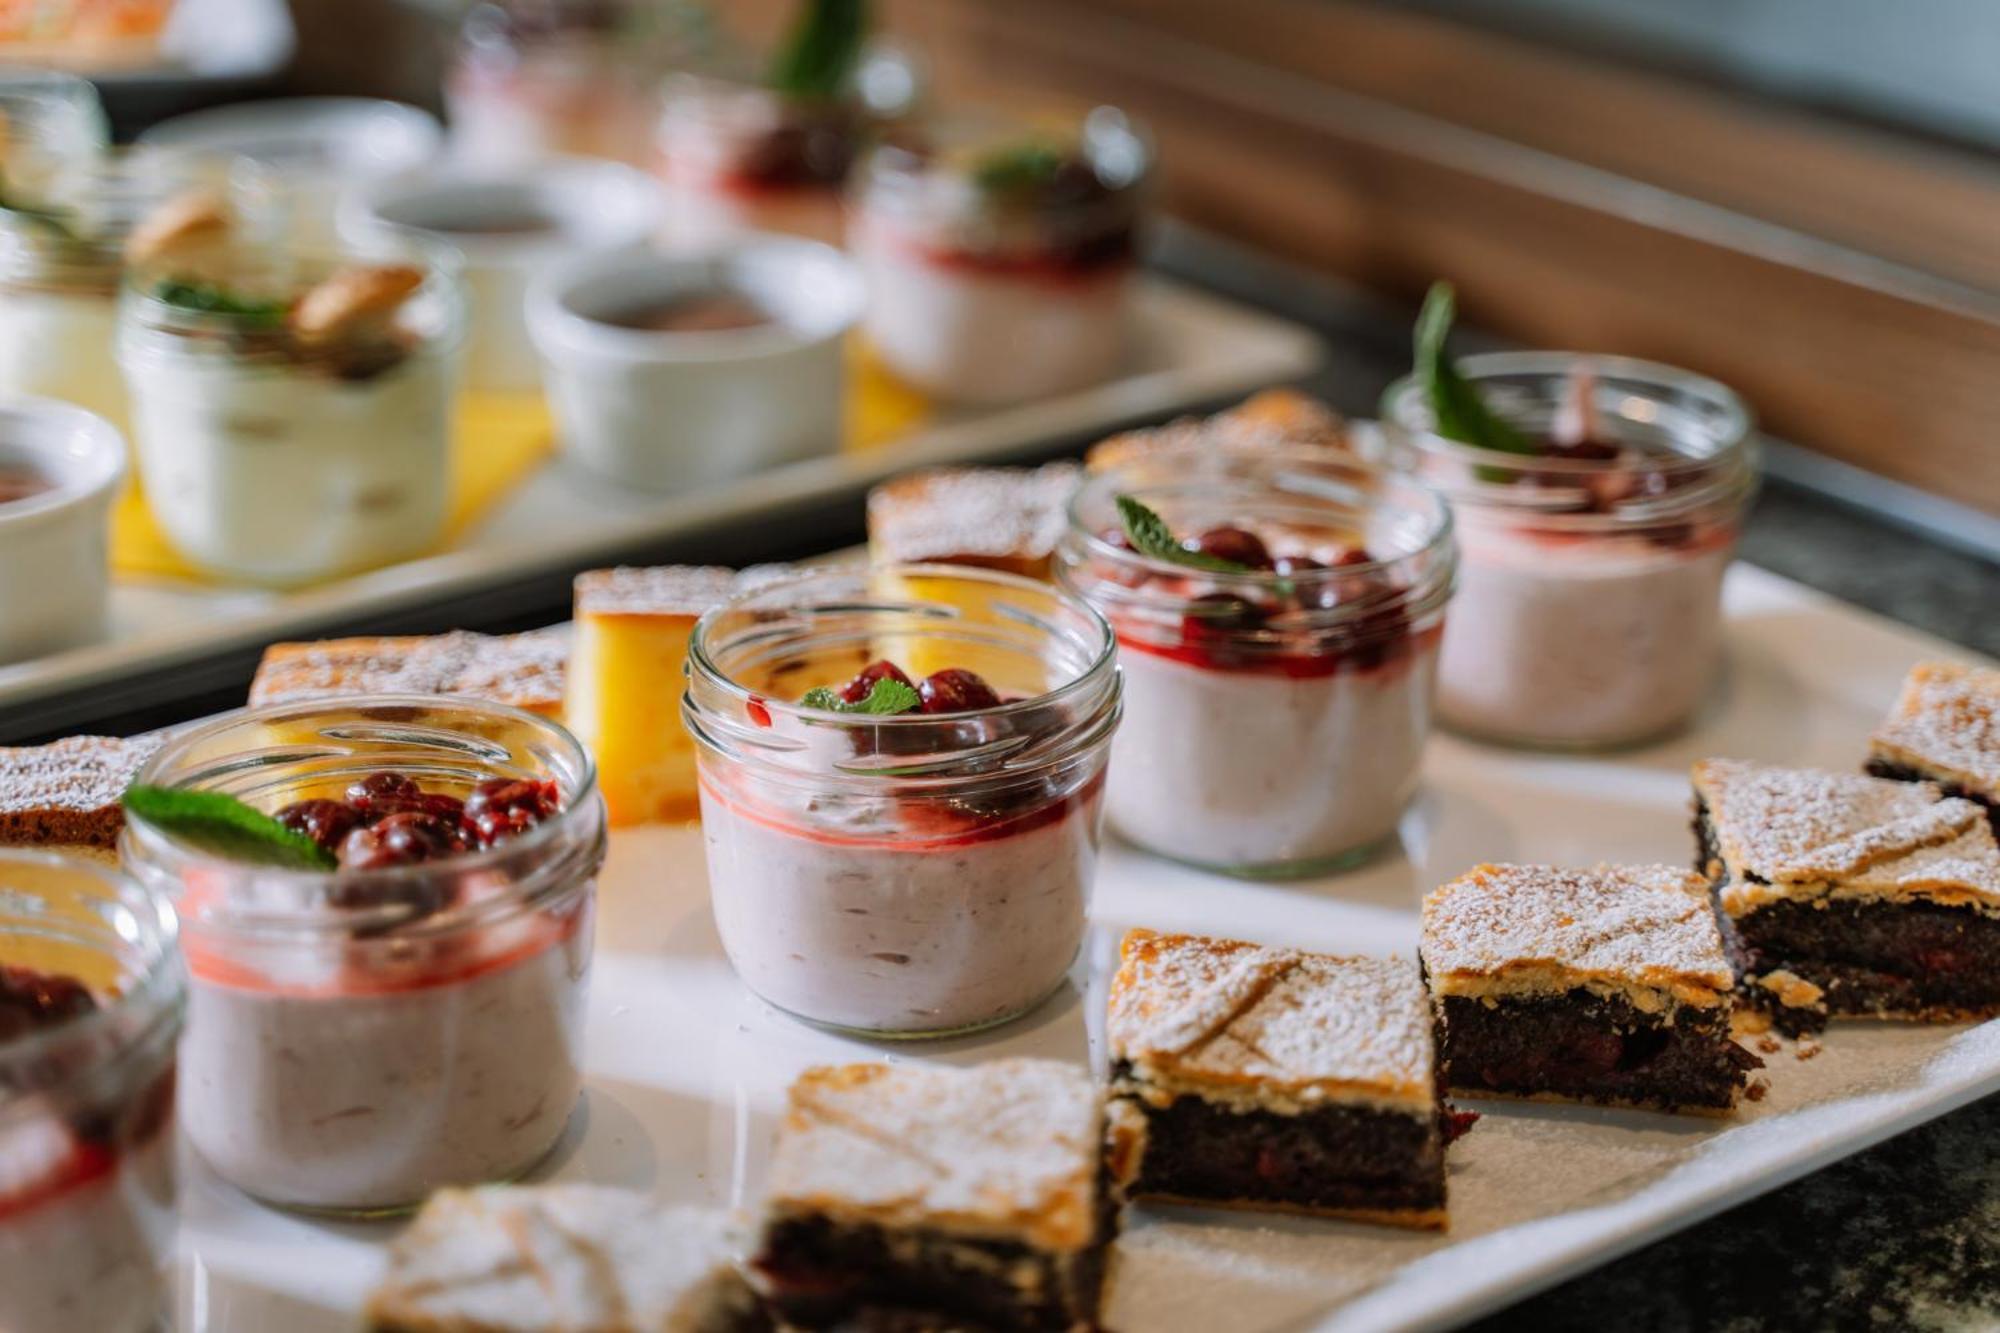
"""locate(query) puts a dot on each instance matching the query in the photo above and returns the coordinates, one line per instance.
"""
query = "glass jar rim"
(143, 844)
(157, 986)
(1093, 692)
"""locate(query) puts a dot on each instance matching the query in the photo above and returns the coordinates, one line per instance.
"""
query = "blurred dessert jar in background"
(1278, 618)
(531, 78)
(51, 124)
(742, 151)
(999, 253)
(292, 416)
(668, 372)
(62, 257)
(91, 998)
(60, 468)
(388, 953)
(317, 147)
(509, 224)
(1598, 501)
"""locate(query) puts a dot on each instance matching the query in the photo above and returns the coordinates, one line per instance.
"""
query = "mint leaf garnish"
(1458, 410)
(209, 299)
(885, 698)
(1150, 535)
(217, 822)
(1019, 169)
(824, 46)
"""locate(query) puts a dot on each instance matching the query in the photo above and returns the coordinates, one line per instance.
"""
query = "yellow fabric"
(501, 438)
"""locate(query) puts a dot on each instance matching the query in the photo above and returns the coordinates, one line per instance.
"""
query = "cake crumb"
(1807, 1048)
(1768, 1045)
(1749, 1022)
(1758, 1087)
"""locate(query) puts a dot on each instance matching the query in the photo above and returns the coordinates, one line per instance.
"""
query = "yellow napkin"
(501, 438)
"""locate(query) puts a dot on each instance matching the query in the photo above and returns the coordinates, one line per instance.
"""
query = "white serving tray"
(687, 1070)
(1191, 348)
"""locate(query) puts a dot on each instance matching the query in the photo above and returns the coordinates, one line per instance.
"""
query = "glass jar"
(51, 125)
(358, 1038)
(999, 253)
(1589, 611)
(910, 875)
(532, 78)
(1276, 718)
(60, 266)
(278, 455)
(86, 1103)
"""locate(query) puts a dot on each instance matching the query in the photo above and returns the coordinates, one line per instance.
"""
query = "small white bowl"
(54, 546)
(591, 206)
(668, 411)
(319, 146)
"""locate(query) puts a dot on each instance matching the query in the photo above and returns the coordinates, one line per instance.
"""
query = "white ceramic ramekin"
(590, 206)
(321, 147)
(54, 545)
(668, 411)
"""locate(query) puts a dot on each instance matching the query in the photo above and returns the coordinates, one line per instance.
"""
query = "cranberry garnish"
(955, 690)
(382, 792)
(1220, 614)
(1352, 555)
(406, 838)
(325, 822)
(856, 690)
(502, 807)
(30, 999)
(760, 715)
(1295, 564)
(1456, 1124)
(1234, 544)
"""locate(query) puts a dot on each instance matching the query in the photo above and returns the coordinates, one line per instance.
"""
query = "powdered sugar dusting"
(68, 791)
(1274, 419)
(1224, 1011)
(1007, 1149)
(1967, 866)
(1014, 514)
(1947, 721)
(1807, 826)
(524, 670)
(1647, 926)
(653, 590)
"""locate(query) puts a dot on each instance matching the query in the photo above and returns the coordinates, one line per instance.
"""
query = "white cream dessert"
(998, 259)
(293, 429)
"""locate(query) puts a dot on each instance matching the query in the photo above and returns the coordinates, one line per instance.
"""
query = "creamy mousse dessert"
(890, 855)
(387, 908)
(1278, 621)
(999, 255)
(1598, 501)
(292, 417)
(90, 1004)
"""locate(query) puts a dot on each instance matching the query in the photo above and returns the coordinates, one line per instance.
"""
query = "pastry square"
(522, 670)
(626, 679)
(1945, 728)
(1251, 1077)
(1008, 519)
(1273, 419)
(950, 1196)
(1605, 985)
(65, 795)
(1844, 895)
(576, 1258)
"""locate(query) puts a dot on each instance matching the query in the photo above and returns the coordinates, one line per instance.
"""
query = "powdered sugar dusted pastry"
(1268, 1078)
(1273, 419)
(521, 670)
(1945, 728)
(997, 518)
(1850, 895)
(565, 1259)
(66, 794)
(1605, 985)
(968, 1195)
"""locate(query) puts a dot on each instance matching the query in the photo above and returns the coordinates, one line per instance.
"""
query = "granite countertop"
(1903, 1236)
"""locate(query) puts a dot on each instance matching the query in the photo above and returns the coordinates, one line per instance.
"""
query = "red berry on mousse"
(30, 999)
(325, 822)
(854, 691)
(1237, 545)
(502, 807)
(407, 838)
(955, 690)
(382, 793)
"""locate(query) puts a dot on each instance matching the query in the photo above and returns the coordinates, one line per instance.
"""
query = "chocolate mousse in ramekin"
(1278, 642)
(91, 994)
(1589, 611)
(900, 778)
(411, 1017)
(999, 253)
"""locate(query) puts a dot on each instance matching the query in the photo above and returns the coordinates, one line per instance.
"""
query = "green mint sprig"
(819, 56)
(1150, 536)
(219, 823)
(1019, 169)
(1457, 409)
(209, 299)
(885, 698)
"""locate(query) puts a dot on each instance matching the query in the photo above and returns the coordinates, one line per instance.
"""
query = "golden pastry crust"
(1005, 1150)
(1946, 725)
(1274, 1029)
(1009, 519)
(522, 670)
(1645, 933)
(1273, 419)
(358, 299)
(1797, 833)
(65, 795)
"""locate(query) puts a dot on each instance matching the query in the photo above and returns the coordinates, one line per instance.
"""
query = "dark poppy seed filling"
(1885, 768)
